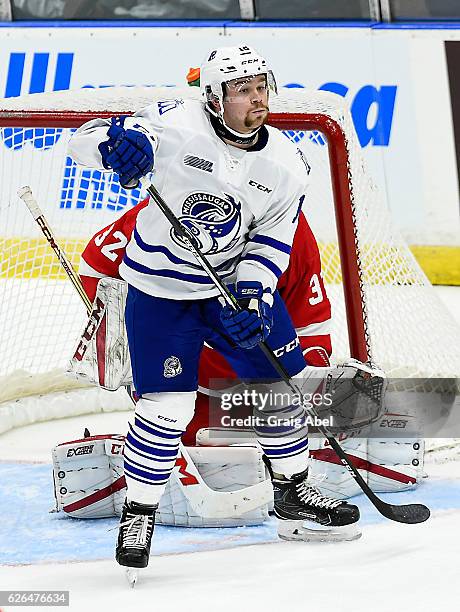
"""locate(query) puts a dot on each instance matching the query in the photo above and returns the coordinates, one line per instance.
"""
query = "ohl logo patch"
(214, 221)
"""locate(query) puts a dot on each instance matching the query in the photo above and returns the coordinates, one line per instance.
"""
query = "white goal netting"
(390, 312)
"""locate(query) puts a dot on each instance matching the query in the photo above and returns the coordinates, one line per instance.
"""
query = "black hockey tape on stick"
(408, 513)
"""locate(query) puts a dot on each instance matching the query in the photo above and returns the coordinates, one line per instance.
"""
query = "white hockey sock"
(284, 439)
(152, 443)
(287, 458)
(287, 448)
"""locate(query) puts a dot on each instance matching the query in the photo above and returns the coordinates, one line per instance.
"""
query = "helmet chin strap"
(223, 131)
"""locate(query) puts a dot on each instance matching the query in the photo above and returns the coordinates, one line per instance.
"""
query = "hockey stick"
(206, 502)
(408, 513)
(25, 193)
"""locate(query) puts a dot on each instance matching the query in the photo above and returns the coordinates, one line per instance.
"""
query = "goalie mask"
(227, 64)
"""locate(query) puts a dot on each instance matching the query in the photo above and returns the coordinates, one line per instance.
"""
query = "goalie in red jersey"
(301, 287)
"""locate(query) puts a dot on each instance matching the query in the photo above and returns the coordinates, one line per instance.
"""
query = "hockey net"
(383, 305)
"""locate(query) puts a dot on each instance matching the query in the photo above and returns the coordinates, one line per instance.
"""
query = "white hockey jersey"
(242, 205)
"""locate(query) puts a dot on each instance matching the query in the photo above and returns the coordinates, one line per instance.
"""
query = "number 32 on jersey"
(119, 242)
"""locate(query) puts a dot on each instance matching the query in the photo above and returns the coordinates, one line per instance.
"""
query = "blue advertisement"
(56, 75)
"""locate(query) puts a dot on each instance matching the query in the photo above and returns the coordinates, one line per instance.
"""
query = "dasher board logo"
(52, 68)
(372, 105)
(213, 220)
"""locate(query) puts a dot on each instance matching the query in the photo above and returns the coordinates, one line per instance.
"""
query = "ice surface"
(393, 566)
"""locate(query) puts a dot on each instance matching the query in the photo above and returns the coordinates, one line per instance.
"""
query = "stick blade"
(411, 514)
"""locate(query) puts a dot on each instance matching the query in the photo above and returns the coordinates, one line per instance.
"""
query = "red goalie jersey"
(301, 287)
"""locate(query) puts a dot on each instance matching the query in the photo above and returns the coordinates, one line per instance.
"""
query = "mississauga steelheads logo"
(214, 221)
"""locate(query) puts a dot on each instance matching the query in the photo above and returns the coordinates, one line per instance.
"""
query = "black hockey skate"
(135, 535)
(306, 514)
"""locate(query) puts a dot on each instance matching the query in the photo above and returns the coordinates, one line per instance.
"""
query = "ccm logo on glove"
(253, 323)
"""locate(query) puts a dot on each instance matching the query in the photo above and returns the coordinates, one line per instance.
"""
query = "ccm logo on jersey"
(287, 348)
(81, 450)
(259, 186)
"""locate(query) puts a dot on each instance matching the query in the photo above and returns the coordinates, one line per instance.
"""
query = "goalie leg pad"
(385, 464)
(223, 469)
(88, 476)
(89, 482)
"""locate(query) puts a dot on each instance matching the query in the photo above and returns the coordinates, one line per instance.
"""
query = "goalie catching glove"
(353, 394)
(358, 395)
(129, 151)
(253, 323)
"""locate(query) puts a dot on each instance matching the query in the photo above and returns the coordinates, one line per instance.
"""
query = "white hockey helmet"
(226, 64)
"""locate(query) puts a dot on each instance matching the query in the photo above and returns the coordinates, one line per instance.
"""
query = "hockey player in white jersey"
(238, 185)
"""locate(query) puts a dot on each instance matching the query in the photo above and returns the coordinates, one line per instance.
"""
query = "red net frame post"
(344, 215)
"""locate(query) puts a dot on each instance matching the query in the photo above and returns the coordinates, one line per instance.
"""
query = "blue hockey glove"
(129, 153)
(253, 324)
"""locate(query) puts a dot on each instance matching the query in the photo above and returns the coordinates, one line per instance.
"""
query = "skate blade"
(132, 575)
(307, 531)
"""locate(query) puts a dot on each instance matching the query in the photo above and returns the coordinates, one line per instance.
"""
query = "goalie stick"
(206, 502)
(407, 513)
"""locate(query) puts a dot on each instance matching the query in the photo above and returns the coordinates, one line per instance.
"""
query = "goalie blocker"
(102, 355)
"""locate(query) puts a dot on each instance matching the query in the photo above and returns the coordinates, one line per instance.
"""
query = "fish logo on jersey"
(214, 221)
(172, 367)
